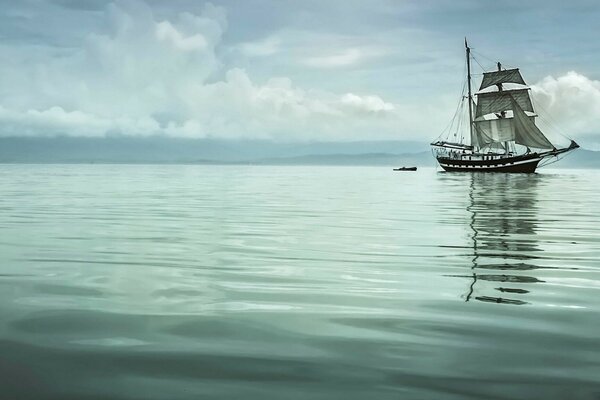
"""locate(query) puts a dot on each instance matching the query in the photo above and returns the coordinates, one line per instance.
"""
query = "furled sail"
(494, 102)
(498, 77)
(526, 132)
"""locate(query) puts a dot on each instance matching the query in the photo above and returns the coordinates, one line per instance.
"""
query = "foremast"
(469, 95)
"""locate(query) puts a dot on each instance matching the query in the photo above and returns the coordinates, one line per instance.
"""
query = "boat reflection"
(503, 223)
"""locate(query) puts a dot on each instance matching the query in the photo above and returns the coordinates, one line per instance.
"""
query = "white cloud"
(145, 73)
(52, 121)
(56, 120)
(261, 48)
(237, 107)
(166, 32)
(343, 59)
(147, 77)
(367, 103)
(572, 101)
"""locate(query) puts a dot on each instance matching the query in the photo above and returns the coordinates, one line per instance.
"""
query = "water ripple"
(185, 282)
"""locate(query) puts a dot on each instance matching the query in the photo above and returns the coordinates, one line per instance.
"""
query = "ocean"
(297, 282)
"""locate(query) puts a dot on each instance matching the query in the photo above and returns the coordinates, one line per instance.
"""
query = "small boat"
(502, 135)
(405, 169)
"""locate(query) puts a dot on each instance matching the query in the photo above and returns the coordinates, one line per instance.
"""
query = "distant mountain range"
(420, 159)
(580, 159)
(162, 150)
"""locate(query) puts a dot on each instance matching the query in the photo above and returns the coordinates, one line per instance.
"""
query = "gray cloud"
(263, 69)
(87, 5)
(148, 76)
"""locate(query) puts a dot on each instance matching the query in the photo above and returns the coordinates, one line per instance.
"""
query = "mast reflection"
(503, 223)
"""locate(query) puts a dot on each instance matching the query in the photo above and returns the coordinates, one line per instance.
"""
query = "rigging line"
(484, 56)
(481, 54)
(509, 66)
(551, 122)
(456, 111)
(459, 125)
(478, 63)
(453, 130)
(461, 130)
(557, 159)
(552, 127)
(449, 126)
(504, 65)
(447, 131)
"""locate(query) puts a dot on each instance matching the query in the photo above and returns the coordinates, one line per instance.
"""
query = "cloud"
(367, 103)
(57, 121)
(146, 76)
(261, 48)
(237, 107)
(166, 32)
(139, 73)
(572, 101)
(345, 58)
(54, 120)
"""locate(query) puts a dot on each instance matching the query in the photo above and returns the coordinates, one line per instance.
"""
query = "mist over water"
(187, 282)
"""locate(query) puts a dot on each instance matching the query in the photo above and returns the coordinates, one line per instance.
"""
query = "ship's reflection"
(503, 222)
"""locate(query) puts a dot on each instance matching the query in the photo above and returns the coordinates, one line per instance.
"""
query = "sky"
(287, 71)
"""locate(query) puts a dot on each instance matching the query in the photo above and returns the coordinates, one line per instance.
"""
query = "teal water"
(207, 282)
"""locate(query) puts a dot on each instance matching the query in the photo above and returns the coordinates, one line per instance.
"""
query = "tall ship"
(502, 134)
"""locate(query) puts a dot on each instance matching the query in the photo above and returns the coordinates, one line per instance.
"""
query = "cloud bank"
(572, 104)
(148, 76)
(141, 74)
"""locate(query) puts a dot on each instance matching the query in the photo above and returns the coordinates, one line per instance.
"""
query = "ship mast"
(502, 113)
(470, 95)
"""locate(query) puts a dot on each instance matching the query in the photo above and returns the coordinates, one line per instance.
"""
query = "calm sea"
(208, 282)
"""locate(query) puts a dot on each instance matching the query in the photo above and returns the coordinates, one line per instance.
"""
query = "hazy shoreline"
(161, 150)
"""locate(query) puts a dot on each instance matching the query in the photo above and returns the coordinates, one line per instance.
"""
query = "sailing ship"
(503, 135)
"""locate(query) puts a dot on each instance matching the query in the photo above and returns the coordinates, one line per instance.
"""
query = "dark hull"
(469, 162)
(519, 164)
(528, 168)
(406, 169)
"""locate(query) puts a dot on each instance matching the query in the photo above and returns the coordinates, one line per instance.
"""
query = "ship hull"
(521, 164)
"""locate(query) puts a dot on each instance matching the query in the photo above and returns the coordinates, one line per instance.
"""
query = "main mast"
(470, 95)
(502, 113)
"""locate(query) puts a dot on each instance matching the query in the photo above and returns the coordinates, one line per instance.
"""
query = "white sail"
(499, 77)
(526, 132)
(501, 130)
(494, 131)
(495, 102)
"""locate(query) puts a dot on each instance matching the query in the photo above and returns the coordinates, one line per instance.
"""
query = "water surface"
(189, 282)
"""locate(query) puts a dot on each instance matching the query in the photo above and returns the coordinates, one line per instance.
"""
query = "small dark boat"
(405, 169)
